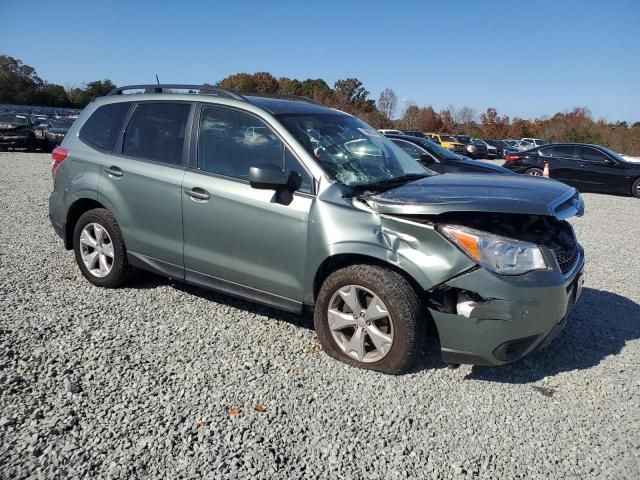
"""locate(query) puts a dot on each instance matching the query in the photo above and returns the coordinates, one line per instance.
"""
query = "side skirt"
(241, 291)
(213, 283)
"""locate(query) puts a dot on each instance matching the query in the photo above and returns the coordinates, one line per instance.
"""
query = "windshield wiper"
(389, 182)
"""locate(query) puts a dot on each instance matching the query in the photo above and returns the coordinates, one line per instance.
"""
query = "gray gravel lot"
(147, 381)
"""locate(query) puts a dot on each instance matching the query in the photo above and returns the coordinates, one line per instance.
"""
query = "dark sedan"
(588, 168)
(439, 159)
(56, 132)
(472, 149)
(504, 148)
(17, 131)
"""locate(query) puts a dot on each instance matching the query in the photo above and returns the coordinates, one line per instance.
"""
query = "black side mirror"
(267, 177)
(426, 159)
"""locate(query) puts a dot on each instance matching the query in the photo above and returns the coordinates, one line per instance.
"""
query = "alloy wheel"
(360, 323)
(96, 250)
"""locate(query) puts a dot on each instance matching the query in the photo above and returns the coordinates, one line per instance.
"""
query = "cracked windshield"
(351, 151)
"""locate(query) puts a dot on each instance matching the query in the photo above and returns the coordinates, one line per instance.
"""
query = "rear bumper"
(58, 226)
(520, 315)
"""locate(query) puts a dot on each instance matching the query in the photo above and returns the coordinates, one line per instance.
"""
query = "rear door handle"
(198, 193)
(114, 171)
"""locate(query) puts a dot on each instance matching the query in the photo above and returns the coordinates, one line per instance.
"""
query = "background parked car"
(470, 148)
(515, 144)
(492, 152)
(414, 133)
(17, 131)
(532, 142)
(447, 141)
(385, 131)
(57, 130)
(439, 159)
(588, 168)
(502, 147)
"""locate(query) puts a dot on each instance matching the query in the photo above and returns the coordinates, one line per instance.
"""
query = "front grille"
(565, 248)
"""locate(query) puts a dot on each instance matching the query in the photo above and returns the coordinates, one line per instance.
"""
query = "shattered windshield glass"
(351, 151)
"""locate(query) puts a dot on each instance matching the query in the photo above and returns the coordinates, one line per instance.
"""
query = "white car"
(528, 143)
(389, 131)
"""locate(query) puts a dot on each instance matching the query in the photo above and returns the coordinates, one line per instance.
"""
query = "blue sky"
(524, 58)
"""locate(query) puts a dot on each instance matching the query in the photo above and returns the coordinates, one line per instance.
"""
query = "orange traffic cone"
(545, 172)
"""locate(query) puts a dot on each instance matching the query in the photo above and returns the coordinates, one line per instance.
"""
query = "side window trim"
(117, 150)
(195, 134)
(411, 144)
(599, 162)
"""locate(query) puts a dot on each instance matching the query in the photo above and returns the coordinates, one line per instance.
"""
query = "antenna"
(157, 80)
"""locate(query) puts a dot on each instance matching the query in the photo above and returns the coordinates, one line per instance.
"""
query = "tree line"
(575, 125)
(20, 84)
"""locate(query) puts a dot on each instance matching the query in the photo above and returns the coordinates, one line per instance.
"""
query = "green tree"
(52, 95)
(351, 89)
(239, 82)
(19, 83)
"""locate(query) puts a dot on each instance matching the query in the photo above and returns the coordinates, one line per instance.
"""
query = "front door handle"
(114, 171)
(198, 193)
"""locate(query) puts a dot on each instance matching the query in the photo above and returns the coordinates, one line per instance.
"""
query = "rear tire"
(99, 249)
(385, 296)
(535, 172)
(635, 188)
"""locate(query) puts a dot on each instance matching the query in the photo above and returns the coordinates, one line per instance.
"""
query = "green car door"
(141, 183)
(237, 238)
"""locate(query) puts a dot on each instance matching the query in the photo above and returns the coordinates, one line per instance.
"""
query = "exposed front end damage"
(486, 318)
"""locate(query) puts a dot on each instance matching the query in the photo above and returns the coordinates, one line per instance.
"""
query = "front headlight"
(500, 254)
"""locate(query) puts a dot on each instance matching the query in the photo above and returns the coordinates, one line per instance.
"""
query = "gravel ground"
(160, 380)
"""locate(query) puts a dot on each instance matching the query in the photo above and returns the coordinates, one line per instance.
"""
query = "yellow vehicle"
(447, 141)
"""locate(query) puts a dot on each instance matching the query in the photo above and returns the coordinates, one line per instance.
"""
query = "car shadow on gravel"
(600, 325)
(146, 280)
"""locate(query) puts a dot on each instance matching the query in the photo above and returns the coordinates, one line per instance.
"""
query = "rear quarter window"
(102, 128)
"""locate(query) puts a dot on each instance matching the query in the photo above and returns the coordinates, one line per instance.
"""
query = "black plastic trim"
(241, 291)
(154, 265)
(452, 356)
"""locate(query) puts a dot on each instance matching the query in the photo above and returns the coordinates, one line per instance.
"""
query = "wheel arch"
(75, 211)
(341, 260)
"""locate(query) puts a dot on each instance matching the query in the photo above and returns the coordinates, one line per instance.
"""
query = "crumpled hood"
(470, 192)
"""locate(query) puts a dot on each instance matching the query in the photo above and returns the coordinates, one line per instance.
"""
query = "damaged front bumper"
(495, 319)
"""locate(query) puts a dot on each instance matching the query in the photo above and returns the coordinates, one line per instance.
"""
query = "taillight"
(59, 155)
(511, 158)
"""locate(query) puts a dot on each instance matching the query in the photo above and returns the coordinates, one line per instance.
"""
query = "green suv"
(294, 205)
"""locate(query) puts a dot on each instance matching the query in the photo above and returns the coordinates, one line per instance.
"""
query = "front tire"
(99, 249)
(370, 317)
(535, 172)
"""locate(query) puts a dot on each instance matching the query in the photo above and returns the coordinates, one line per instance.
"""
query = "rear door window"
(592, 155)
(156, 132)
(413, 150)
(103, 126)
(558, 151)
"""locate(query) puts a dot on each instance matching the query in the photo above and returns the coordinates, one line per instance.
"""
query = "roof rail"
(162, 88)
(295, 98)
